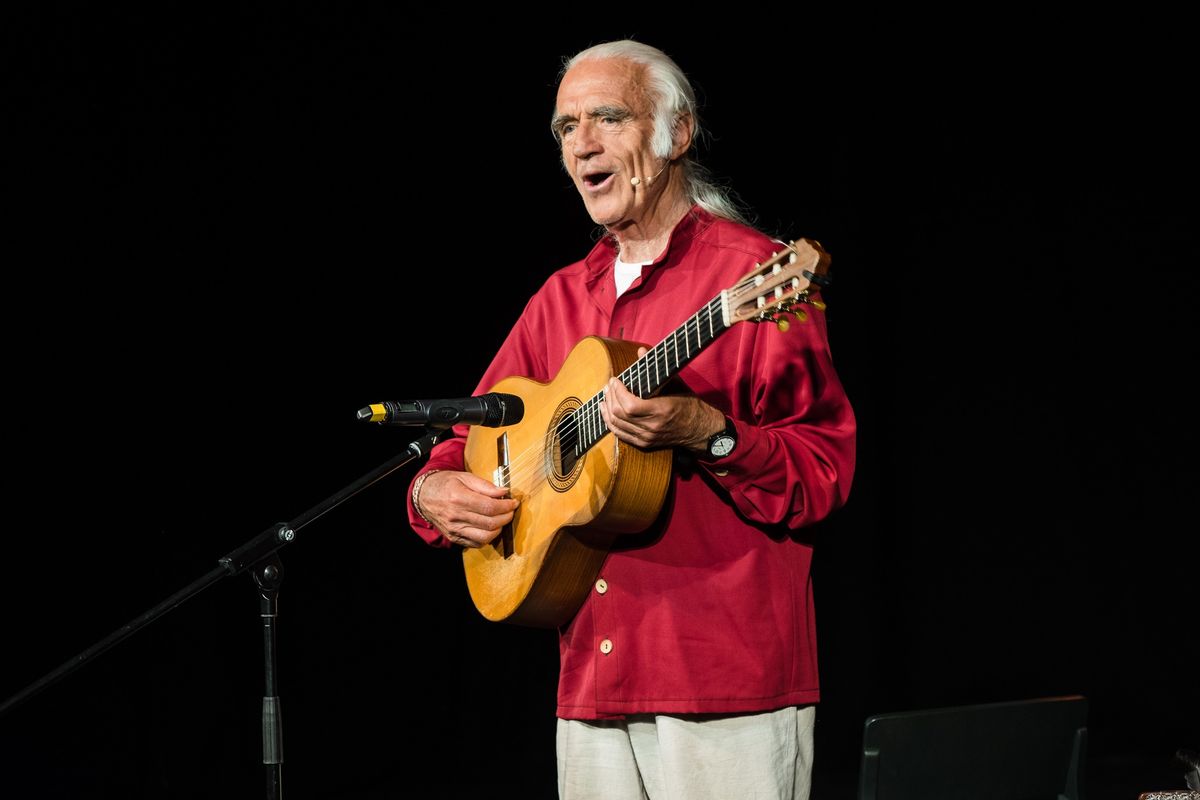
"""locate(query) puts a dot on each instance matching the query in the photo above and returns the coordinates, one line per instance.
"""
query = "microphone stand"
(259, 556)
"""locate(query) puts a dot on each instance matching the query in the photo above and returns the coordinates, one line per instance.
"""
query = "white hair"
(673, 99)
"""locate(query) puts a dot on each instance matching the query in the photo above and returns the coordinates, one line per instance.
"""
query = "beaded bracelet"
(416, 495)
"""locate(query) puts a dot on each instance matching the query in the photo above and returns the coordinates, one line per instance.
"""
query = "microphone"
(492, 410)
(636, 181)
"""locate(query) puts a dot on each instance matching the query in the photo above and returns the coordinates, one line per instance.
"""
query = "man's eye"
(567, 130)
(611, 121)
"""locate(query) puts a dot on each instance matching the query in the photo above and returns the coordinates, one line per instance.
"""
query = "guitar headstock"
(774, 288)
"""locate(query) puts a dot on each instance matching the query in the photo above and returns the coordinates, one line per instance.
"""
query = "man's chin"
(602, 214)
(607, 219)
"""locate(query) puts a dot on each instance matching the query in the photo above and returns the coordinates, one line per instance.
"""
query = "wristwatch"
(723, 442)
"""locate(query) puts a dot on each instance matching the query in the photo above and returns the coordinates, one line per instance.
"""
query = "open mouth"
(597, 180)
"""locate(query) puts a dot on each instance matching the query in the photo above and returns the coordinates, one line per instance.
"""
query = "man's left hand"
(664, 421)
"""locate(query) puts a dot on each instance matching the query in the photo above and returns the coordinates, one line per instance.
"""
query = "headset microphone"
(636, 181)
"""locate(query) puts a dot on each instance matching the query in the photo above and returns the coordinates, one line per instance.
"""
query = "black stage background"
(229, 232)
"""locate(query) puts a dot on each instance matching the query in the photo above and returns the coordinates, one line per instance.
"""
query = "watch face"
(721, 446)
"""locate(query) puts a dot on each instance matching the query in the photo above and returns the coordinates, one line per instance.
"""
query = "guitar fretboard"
(649, 373)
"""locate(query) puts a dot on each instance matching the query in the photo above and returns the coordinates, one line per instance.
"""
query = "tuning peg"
(782, 324)
(817, 304)
(801, 315)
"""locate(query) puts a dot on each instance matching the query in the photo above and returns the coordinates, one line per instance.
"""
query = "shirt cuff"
(748, 459)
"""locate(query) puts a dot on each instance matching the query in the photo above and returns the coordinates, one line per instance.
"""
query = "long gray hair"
(673, 98)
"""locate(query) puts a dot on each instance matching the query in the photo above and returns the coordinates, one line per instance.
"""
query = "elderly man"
(690, 670)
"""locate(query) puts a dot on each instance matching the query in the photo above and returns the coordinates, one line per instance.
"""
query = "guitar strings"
(522, 470)
(530, 466)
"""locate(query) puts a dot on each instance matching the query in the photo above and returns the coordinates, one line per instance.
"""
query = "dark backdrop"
(229, 232)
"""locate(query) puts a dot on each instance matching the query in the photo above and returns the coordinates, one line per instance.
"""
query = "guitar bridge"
(503, 477)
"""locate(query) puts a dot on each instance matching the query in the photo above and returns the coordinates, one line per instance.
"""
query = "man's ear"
(682, 131)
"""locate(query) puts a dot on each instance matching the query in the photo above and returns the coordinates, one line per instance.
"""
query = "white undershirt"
(626, 274)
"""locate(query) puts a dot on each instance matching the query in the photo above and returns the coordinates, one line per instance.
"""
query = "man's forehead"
(600, 83)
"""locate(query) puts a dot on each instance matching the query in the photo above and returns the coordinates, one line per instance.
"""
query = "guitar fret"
(583, 424)
(598, 427)
(649, 373)
(594, 421)
(586, 434)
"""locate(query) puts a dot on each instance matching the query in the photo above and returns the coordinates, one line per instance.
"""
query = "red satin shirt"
(710, 610)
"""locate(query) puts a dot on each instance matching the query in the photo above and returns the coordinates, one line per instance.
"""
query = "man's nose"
(584, 143)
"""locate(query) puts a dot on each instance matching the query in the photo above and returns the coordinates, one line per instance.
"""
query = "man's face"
(603, 118)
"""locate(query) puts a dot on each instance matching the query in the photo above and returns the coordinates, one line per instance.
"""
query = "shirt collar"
(600, 261)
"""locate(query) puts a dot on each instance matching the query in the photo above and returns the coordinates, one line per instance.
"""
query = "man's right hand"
(465, 508)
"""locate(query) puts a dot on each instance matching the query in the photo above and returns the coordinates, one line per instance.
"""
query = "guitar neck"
(769, 292)
(646, 376)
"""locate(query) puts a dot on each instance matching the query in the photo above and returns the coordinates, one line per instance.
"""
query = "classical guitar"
(578, 485)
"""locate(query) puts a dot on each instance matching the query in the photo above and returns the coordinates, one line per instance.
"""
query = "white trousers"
(764, 756)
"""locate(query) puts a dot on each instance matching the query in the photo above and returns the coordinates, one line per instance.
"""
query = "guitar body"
(540, 569)
(579, 488)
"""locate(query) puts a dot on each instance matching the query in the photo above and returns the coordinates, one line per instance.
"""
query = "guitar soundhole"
(562, 464)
